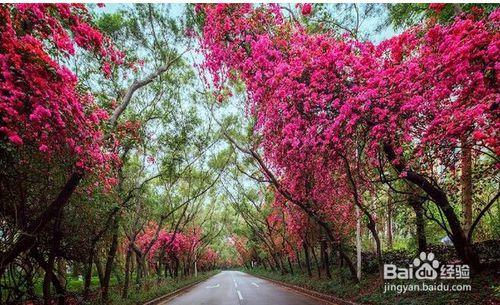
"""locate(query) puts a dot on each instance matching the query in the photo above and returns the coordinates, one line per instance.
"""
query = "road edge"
(174, 293)
(308, 292)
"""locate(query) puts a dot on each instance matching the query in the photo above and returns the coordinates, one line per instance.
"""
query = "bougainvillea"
(41, 105)
(323, 101)
(240, 244)
(306, 9)
(290, 85)
(169, 247)
(446, 74)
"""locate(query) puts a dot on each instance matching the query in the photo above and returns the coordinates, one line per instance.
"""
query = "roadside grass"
(485, 289)
(151, 289)
(155, 290)
(75, 284)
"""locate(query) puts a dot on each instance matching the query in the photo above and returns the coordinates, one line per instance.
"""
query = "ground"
(239, 288)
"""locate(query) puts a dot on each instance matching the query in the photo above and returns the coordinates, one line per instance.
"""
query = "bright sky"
(368, 25)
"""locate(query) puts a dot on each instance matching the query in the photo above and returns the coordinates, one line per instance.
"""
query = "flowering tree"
(58, 141)
(174, 250)
(329, 109)
(45, 116)
(448, 75)
(41, 105)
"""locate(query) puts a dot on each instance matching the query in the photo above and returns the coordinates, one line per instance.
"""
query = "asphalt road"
(238, 288)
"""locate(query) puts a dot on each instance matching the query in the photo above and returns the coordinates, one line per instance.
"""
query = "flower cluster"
(41, 105)
(170, 247)
(321, 101)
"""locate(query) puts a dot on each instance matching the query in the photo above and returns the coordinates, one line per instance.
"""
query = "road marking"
(239, 295)
(255, 284)
(235, 284)
(215, 286)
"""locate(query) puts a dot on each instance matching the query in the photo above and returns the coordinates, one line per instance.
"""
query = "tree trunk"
(282, 266)
(466, 186)
(389, 220)
(128, 260)
(270, 265)
(297, 255)
(419, 222)
(109, 262)
(56, 242)
(88, 276)
(176, 268)
(263, 262)
(290, 265)
(358, 244)
(61, 270)
(168, 268)
(373, 230)
(318, 267)
(463, 246)
(47, 279)
(277, 264)
(141, 269)
(326, 261)
(307, 259)
(372, 225)
(98, 267)
(26, 241)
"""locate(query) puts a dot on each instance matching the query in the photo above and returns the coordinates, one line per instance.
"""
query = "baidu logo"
(426, 267)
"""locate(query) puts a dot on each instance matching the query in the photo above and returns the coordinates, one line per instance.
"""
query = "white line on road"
(215, 286)
(239, 295)
(255, 284)
(235, 284)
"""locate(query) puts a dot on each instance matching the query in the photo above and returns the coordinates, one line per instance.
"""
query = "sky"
(368, 25)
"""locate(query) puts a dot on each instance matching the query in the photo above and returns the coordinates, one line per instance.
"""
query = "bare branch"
(137, 84)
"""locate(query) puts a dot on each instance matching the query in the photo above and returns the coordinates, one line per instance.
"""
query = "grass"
(485, 289)
(156, 289)
(150, 290)
(74, 284)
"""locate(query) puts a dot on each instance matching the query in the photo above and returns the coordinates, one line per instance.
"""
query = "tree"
(46, 118)
(325, 106)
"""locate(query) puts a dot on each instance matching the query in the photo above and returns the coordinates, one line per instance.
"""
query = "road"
(238, 288)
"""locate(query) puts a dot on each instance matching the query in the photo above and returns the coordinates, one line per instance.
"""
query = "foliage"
(336, 113)
(365, 294)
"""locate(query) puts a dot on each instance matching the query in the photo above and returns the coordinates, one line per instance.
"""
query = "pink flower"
(314, 97)
(306, 9)
(43, 148)
(16, 139)
(106, 68)
(478, 135)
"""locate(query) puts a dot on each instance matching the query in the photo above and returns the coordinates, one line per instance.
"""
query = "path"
(238, 288)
